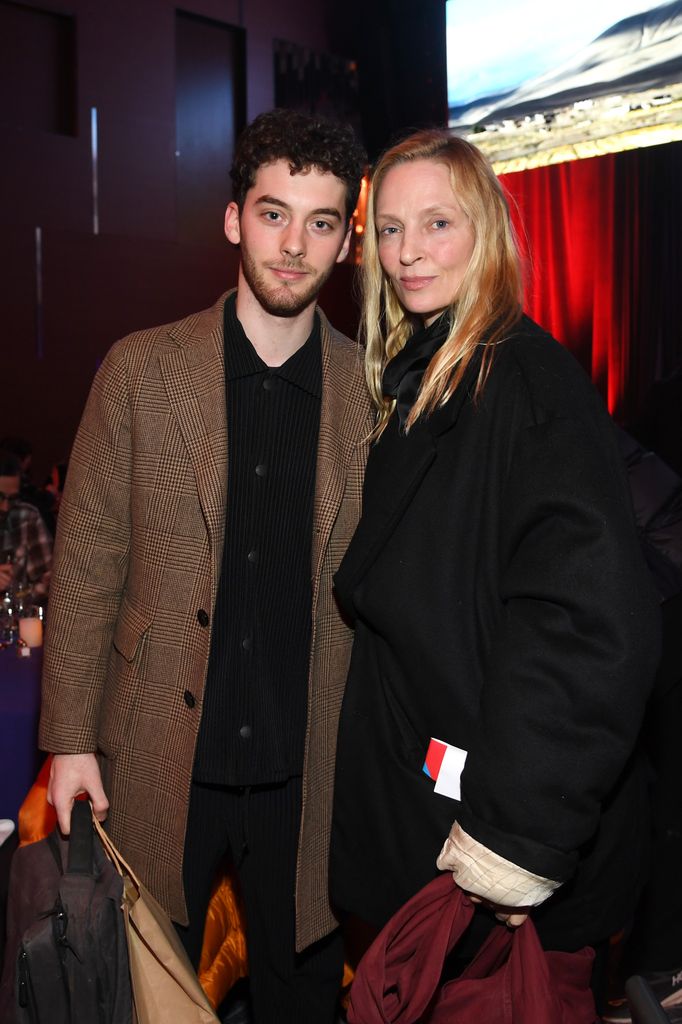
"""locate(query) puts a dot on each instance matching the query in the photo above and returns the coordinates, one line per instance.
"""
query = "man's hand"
(70, 775)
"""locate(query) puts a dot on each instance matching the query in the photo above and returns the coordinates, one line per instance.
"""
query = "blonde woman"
(501, 606)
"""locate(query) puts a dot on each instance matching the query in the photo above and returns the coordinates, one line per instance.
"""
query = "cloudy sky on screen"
(494, 46)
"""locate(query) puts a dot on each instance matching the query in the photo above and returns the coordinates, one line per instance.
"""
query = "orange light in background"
(359, 220)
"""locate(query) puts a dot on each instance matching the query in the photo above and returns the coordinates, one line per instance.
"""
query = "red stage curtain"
(600, 239)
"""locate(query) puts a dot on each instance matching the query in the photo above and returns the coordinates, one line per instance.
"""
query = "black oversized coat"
(501, 604)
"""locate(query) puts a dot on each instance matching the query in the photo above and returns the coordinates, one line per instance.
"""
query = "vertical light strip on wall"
(95, 172)
(40, 339)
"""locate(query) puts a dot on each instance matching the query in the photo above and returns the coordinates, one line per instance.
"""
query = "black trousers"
(257, 827)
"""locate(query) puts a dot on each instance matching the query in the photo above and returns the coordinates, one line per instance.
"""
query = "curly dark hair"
(304, 142)
(9, 464)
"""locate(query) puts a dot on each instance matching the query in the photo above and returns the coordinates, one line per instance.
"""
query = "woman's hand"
(508, 915)
(508, 890)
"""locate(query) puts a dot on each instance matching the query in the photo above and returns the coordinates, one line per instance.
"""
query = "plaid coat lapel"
(194, 378)
(342, 424)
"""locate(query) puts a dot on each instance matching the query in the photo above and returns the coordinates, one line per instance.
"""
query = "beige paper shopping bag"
(165, 986)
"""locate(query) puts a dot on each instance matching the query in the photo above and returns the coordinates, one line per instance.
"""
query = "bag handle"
(80, 860)
(397, 977)
(122, 867)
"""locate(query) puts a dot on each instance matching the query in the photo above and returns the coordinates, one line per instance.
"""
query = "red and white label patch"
(444, 764)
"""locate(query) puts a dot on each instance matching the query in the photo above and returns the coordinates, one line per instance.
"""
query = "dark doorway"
(209, 114)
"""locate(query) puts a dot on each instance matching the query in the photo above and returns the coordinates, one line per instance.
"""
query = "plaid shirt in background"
(24, 536)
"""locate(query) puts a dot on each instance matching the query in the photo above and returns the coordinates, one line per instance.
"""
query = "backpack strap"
(81, 840)
(55, 849)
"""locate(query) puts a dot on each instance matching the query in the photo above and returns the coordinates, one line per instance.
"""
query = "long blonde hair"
(488, 302)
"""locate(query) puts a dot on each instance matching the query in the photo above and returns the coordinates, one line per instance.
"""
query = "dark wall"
(400, 50)
(80, 267)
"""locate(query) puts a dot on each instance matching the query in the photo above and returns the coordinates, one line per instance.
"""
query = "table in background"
(20, 758)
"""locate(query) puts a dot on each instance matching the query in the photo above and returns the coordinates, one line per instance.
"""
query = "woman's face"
(425, 238)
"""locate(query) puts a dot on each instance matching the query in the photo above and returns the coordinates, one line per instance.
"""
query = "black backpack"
(66, 958)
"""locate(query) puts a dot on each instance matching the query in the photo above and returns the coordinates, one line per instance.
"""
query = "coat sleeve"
(90, 565)
(572, 663)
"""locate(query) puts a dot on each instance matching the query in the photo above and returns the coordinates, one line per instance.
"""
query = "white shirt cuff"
(481, 871)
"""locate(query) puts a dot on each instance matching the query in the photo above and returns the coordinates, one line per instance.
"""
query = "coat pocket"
(412, 747)
(131, 626)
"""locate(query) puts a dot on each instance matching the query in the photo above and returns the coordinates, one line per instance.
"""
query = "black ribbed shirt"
(255, 703)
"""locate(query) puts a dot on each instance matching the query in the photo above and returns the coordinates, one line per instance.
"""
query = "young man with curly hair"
(196, 656)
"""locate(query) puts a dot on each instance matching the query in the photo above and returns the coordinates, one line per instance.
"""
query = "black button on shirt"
(258, 664)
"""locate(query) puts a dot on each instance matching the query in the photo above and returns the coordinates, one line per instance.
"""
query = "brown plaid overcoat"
(137, 557)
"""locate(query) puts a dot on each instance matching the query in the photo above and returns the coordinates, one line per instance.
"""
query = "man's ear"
(232, 232)
(346, 245)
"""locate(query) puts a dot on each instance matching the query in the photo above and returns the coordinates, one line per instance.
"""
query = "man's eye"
(272, 215)
(322, 225)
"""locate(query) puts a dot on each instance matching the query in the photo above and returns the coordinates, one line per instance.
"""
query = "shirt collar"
(303, 368)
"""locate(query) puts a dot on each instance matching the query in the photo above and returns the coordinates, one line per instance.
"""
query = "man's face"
(9, 491)
(292, 230)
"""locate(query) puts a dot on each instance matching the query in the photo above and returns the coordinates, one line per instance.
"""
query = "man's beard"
(280, 299)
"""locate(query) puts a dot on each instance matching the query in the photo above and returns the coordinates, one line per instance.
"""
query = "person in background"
(39, 497)
(656, 492)
(653, 947)
(54, 488)
(23, 450)
(659, 424)
(195, 655)
(505, 625)
(25, 546)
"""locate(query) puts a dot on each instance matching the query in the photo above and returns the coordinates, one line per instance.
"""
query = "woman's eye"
(388, 230)
(440, 223)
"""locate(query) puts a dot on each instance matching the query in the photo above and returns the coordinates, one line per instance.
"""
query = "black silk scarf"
(403, 375)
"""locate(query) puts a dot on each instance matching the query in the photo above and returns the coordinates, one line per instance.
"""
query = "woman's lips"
(413, 284)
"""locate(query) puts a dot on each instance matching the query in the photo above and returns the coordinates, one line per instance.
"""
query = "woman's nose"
(410, 248)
